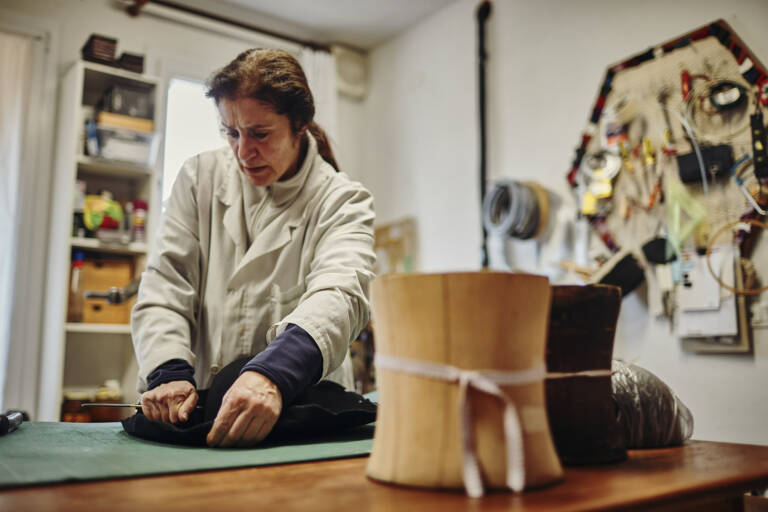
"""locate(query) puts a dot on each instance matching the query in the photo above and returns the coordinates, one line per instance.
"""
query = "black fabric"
(659, 251)
(320, 410)
(292, 361)
(169, 371)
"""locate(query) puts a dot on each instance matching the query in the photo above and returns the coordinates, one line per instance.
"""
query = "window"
(191, 127)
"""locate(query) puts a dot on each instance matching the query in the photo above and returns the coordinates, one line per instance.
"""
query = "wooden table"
(699, 476)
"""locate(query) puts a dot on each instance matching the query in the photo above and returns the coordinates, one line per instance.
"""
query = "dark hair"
(276, 77)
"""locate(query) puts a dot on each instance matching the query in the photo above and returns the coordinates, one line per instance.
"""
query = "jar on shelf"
(75, 303)
(139, 220)
(109, 393)
(72, 409)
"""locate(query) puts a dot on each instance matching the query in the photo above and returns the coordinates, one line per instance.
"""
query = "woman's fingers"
(223, 422)
(248, 412)
(149, 409)
(187, 406)
(263, 432)
(238, 429)
(250, 436)
(167, 402)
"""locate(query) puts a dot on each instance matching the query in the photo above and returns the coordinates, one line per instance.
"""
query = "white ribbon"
(486, 381)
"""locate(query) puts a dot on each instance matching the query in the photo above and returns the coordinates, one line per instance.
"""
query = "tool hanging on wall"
(742, 186)
(598, 171)
(742, 224)
(483, 13)
(727, 95)
(758, 144)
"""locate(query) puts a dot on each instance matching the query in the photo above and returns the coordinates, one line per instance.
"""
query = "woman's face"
(262, 141)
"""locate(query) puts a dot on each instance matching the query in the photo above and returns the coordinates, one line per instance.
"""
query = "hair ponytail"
(323, 145)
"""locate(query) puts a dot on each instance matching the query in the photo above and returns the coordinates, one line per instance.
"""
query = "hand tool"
(10, 421)
(135, 406)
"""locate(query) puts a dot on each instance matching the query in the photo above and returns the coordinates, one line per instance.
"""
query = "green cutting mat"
(41, 452)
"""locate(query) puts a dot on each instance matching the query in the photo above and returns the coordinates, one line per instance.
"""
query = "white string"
(487, 381)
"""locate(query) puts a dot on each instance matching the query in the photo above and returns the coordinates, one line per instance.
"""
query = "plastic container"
(139, 220)
(75, 306)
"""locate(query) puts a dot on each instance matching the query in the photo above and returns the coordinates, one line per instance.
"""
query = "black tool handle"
(10, 422)
(759, 142)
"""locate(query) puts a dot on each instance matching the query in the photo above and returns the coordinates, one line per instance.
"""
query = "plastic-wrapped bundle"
(648, 412)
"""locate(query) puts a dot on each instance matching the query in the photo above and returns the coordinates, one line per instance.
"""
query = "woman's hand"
(171, 402)
(248, 412)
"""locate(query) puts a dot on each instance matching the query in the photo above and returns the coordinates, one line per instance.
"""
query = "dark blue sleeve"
(175, 369)
(292, 361)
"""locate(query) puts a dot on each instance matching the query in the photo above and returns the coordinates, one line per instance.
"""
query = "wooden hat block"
(581, 410)
(473, 321)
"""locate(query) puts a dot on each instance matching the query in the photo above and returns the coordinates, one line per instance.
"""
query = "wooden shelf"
(112, 167)
(79, 327)
(112, 71)
(116, 248)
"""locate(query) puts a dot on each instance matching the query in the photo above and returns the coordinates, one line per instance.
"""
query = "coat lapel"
(230, 195)
(274, 236)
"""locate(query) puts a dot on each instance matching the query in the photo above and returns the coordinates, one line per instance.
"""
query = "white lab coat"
(209, 297)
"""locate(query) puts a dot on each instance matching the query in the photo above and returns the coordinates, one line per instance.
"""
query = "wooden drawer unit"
(100, 275)
(99, 311)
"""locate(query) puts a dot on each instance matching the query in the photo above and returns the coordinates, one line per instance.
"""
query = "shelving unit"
(135, 248)
(84, 328)
(81, 355)
(106, 167)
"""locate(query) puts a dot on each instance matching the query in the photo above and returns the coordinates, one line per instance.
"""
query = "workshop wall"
(547, 61)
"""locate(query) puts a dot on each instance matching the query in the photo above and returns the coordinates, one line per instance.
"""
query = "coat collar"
(230, 190)
(279, 195)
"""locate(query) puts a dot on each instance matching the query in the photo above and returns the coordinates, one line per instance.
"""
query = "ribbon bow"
(486, 381)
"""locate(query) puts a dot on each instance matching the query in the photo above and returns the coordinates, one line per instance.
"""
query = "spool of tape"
(515, 210)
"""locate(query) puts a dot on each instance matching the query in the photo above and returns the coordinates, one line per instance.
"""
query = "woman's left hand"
(248, 412)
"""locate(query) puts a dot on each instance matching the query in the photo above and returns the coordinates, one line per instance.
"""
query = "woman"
(264, 250)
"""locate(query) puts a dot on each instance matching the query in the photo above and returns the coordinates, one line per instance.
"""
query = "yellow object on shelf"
(101, 211)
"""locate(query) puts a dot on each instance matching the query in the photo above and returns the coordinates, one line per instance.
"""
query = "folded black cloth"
(320, 410)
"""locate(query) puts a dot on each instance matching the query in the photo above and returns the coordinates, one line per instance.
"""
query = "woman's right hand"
(171, 402)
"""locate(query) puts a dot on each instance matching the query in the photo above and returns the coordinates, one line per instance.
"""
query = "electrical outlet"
(760, 314)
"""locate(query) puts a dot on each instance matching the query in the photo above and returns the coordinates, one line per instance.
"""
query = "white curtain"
(320, 68)
(15, 72)
(25, 98)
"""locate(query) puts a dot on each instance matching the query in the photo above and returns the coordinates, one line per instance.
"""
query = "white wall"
(547, 61)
